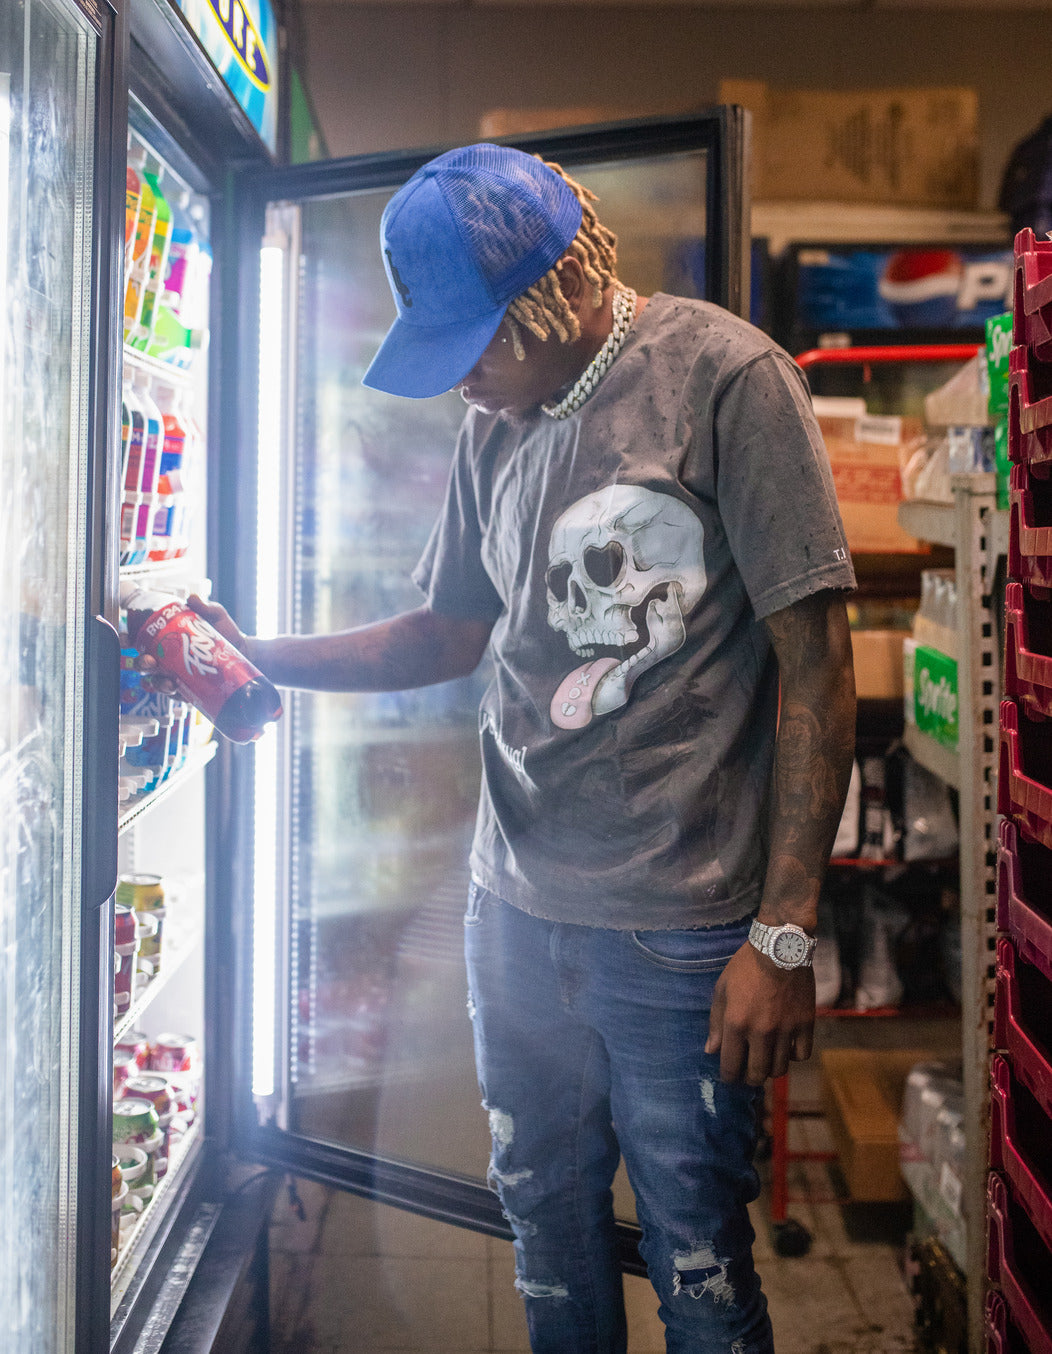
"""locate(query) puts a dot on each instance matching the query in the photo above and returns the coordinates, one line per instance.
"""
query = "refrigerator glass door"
(48, 56)
(365, 804)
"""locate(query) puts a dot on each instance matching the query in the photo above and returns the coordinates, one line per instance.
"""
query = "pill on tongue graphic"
(571, 706)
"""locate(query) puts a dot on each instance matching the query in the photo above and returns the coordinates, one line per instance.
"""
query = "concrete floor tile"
(398, 1304)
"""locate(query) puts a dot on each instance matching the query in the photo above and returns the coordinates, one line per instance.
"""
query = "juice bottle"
(131, 471)
(174, 342)
(132, 202)
(158, 262)
(169, 481)
(153, 441)
(184, 254)
(138, 272)
(207, 670)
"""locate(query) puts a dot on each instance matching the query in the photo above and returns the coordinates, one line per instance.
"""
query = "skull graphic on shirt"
(625, 568)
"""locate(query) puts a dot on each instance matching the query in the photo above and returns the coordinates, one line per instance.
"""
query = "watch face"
(790, 948)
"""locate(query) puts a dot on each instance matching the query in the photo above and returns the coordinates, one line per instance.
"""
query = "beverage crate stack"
(1019, 1197)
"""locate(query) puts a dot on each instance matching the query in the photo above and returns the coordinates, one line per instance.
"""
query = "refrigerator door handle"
(102, 758)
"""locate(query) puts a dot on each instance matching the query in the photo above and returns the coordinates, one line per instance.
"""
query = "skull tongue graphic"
(604, 683)
(625, 567)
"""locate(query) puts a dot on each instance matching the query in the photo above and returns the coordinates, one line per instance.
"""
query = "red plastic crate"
(1028, 650)
(1032, 308)
(1022, 869)
(1021, 1145)
(1002, 1334)
(1032, 444)
(1024, 773)
(1020, 1264)
(1022, 1012)
(1030, 525)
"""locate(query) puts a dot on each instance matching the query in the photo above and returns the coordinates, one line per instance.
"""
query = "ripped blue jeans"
(590, 1046)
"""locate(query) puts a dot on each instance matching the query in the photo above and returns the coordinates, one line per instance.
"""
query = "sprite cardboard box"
(998, 347)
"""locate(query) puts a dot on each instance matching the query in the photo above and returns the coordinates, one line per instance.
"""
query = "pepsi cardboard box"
(913, 146)
(894, 293)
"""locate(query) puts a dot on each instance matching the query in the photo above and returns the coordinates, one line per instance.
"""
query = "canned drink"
(173, 1053)
(118, 1194)
(124, 1066)
(154, 1089)
(135, 1043)
(140, 892)
(144, 893)
(126, 946)
(182, 1087)
(136, 1121)
(137, 1169)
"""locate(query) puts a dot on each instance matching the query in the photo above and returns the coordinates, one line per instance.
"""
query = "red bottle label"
(205, 668)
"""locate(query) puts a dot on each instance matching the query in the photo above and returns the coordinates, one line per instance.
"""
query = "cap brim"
(418, 361)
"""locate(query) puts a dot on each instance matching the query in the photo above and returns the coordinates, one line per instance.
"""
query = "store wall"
(389, 75)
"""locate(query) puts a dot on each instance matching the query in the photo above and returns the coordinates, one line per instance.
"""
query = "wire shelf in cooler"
(1020, 867)
(1022, 1009)
(135, 1241)
(180, 943)
(1019, 1264)
(164, 372)
(196, 761)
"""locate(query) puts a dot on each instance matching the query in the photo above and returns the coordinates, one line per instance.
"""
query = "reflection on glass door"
(47, 116)
(384, 787)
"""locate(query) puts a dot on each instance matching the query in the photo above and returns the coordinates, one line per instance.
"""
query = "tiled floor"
(355, 1278)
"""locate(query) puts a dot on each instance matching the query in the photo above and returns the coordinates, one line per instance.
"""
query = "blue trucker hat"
(470, 231)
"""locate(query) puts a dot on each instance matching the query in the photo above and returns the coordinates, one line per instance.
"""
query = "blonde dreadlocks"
(542, 308)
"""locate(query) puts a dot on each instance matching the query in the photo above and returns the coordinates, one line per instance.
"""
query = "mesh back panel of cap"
(512, 220)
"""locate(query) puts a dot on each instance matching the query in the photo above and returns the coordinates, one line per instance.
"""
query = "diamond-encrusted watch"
(787, 946)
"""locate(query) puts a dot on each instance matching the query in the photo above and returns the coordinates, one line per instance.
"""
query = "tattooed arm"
(763, 1016)
(414, 649)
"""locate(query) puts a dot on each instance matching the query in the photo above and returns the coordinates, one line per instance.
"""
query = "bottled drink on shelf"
(138, 271)
(174, 342)
(206, 670)
(153, 284)
(184, 261)
(133, 436)
(132, 202)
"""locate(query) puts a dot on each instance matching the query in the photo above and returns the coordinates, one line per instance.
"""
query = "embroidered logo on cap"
(403, 290)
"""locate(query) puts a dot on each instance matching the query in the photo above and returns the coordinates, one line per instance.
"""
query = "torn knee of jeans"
(522, 1227)
(529, 1289)
(698, 1272)
(708, 1095)
(501, 1126)
(472, 1009)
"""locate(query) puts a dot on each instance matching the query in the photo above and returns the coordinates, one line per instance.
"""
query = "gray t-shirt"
(626, 556)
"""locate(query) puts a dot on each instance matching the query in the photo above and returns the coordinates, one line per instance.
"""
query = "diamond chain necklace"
(624, 314)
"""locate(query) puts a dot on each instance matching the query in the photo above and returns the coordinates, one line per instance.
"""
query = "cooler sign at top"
(241, 39)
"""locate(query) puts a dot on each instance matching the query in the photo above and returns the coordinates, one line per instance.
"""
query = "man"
(640, 524)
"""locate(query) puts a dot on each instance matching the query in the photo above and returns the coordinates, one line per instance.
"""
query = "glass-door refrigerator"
(221, 963)
(350, 826)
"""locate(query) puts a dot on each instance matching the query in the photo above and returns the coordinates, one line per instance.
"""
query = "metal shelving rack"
(977, 531)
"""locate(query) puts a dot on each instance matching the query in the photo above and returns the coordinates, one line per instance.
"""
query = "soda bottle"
(207, 670)
(183, 260)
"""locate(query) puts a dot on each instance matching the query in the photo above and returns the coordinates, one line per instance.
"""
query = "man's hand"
(762, 1018)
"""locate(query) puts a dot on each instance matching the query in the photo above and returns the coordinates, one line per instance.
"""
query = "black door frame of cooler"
(99, 710)
(723, 133)
(152, 74)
